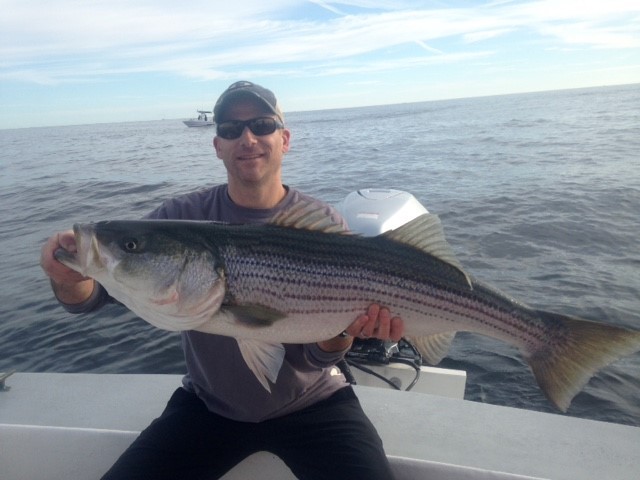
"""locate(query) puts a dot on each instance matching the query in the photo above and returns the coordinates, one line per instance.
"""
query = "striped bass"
(300, 279)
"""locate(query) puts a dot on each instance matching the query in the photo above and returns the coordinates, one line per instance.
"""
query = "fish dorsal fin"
(425, 233)
(309, 215)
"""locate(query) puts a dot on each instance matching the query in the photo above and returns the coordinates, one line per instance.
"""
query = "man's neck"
(257, 197)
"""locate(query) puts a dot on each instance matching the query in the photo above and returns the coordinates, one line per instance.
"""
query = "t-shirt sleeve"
(98, 298)
(319, 358)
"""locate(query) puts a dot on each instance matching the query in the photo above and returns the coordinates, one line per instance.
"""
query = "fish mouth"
(86, 251)
(67, 258)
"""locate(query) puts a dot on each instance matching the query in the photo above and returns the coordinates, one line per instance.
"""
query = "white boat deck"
(73, 426)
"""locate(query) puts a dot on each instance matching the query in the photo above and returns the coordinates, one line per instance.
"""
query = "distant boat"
(205, 119)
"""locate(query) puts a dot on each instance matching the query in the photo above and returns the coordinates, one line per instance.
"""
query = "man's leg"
(333, 439)
(186, 441)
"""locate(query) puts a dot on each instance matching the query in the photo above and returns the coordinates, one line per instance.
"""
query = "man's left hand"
(377, 322)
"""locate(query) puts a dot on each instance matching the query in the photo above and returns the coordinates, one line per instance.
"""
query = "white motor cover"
(372, 211)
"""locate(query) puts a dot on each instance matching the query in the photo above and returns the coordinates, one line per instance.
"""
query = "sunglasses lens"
(230, 130)
(262, 126)
(258, 126)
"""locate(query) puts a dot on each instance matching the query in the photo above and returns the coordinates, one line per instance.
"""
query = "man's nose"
(247, 137)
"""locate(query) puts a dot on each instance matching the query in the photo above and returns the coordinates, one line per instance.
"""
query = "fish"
(301, 278)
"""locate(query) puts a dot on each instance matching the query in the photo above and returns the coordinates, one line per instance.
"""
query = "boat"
(75, 425)
(205, 119)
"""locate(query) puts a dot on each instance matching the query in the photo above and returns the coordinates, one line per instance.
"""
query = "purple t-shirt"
(216, 371)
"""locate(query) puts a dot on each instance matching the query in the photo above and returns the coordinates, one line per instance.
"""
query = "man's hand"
(68, 285)
(58, 272)
(377, 322)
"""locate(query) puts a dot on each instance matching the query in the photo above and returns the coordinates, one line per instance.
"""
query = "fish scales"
(307, 272)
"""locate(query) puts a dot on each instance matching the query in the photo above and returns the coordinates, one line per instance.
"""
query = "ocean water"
(539, 195)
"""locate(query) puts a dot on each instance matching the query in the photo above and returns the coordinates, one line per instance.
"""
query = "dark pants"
(332, 439)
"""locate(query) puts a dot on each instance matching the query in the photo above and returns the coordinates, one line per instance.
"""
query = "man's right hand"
(68, 285)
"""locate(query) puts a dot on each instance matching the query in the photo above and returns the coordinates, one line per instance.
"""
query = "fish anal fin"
(263, 359)
(433, 348)
(425, 233)
(562, 369)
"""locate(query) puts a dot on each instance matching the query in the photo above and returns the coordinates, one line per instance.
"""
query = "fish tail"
(580, 349)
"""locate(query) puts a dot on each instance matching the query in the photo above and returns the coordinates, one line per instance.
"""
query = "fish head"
(163, 272)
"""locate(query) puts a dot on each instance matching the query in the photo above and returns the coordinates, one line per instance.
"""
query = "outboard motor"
(370, 212)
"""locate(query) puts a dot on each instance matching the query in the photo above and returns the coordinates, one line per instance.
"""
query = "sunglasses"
(259, 126)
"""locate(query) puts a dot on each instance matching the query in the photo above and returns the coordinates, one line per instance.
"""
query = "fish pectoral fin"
(255, 315)
(433, 348)
(426, 233)
(263, 359)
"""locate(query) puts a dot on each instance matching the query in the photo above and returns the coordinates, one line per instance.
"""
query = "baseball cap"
(246, 89)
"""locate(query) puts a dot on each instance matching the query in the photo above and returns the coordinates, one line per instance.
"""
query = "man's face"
(251, 159)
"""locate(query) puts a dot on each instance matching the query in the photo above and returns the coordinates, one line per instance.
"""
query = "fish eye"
(130, 244)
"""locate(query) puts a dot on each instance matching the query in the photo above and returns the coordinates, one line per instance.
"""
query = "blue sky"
(85, 61)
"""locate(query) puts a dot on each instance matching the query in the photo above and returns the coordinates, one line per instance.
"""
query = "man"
(311, 418)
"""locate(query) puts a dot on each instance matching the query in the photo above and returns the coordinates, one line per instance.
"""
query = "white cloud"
(482, 35)
(75, 40)
(589, 35)
(88, 42)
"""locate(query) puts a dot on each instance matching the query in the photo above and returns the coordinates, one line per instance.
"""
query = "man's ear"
(215, 146)
(286, 138)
